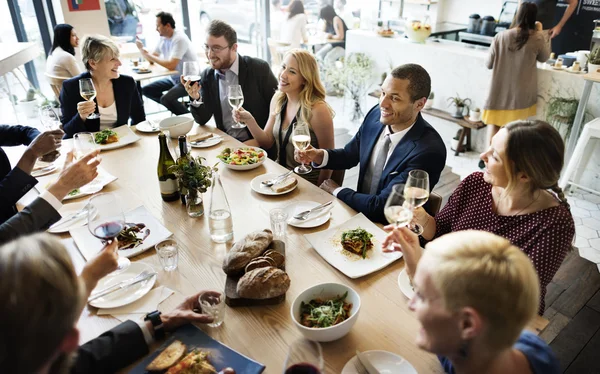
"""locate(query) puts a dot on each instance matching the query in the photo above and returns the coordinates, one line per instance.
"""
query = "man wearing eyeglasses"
(173, 49)
(228, 68)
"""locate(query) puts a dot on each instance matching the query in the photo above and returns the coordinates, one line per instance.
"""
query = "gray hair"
(96, 48)
(42, 299)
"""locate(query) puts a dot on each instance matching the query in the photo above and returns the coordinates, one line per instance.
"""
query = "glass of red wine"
(108, 222)
(304, 357)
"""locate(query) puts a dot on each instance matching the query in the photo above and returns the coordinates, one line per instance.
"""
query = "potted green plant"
(194, 179)
(560, 113)
(429, 102)
(594, 60)
(29, 105)
(475, 114)
(459, 105)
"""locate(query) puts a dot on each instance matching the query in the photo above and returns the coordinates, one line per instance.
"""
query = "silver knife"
(364, 360)
(145, 275)
(317, 208)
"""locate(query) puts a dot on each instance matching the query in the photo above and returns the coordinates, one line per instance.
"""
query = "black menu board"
(576, 35)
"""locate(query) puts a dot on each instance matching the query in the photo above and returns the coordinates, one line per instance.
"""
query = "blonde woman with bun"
(300, 97)
(474, 294)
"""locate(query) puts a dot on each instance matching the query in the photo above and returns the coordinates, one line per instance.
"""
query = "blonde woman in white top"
(61, 62)
(293, 29)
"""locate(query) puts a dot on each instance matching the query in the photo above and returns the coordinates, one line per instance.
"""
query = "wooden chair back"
(276, 48)
(434, 204)
(56, 83)
(338, 176)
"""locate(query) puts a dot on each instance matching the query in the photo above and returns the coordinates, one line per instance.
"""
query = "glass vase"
(194, 204)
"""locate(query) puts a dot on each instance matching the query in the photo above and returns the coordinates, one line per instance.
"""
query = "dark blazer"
(35, 217)
(111, 351)
(127, 98)
(258, 85)
(421, 148)
(14, 183)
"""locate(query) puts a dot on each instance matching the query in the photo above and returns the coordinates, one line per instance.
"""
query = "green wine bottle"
(183, 158)
(167, 181)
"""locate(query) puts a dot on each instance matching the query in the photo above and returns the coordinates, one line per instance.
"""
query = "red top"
(545, 236)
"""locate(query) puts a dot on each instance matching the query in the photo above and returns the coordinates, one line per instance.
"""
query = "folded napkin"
(141, 307)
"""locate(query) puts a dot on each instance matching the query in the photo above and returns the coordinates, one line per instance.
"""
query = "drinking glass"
(49, 118)
(304, 357)
(301, 141)
(397, 211)
(278, 218)
(83, 143)
(88, 92)
(191, 73)
(213, 304)
(236, 100)
(168, 254)
(416, 193)
(109, 221)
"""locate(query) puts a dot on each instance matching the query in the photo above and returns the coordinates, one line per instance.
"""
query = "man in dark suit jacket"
(393, 140)
(229, 68)
(15, 183)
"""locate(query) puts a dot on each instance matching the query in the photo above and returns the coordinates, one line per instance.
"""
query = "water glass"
(213, 304)
(83, 143)
(168, 254)
(278, 218)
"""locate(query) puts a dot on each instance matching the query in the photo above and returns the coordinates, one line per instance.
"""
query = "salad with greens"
(241, 156)
(357, 241)
(319, 313)
(105, 136)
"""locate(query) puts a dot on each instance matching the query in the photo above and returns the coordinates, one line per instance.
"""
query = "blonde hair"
(96, 48)
(486, 272)
(536, 149)
(42, 298)
(313, 91)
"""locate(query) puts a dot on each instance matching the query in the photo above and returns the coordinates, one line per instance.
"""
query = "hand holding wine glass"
(416, 193)
(88, 92)
(396, 210)
(191, 76)
(108, 222)
(304, 357)
(236, 100)
(301, 141)
(49, 118)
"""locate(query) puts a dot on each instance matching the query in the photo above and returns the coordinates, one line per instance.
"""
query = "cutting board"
(234, 300)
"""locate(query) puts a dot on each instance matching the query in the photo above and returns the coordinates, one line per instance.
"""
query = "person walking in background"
(547, 14)
(61, 61)
(513, 58)
(293, 29)
(173, 49)
(335, 28)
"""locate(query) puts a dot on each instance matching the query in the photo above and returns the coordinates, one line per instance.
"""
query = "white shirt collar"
(396, 137)
(234, 68)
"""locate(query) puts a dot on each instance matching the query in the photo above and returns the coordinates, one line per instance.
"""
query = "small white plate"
(128, 295)
(43, 171)
(328, 244)
(384, 361)
(126, 137)
(315, 220)
(94, 186)
(207, 143)
(145, 126)
(404, 283)
(256, 185)
(66, 211)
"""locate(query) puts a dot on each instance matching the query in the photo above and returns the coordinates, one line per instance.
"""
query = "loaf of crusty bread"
(167, 358)
(243, 251)
(285, 185)
(263, 283)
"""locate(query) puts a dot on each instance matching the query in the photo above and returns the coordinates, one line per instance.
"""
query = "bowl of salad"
(243, 158)
(326, 312)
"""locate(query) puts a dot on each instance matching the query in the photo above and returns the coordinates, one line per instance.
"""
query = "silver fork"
(276, 180)
(358, 366)
(303, 215)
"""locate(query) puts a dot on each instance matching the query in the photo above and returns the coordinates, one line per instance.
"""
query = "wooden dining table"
(262, 333)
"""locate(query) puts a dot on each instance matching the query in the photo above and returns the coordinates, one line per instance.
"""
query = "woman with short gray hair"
(117, 97)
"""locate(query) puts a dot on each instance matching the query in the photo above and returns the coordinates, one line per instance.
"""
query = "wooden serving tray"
(234, 300)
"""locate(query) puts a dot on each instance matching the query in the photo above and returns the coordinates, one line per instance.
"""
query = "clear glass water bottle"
(219, 218)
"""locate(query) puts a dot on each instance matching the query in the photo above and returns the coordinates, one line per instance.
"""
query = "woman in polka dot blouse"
(511, 198)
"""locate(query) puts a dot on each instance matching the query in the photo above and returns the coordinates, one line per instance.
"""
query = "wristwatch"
(154, 318)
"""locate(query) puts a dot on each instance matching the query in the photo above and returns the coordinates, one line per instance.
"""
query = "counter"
(458, 68)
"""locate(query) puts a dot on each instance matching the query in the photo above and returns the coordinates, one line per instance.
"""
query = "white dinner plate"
(66, 211)
(127, 295)
(257, 186)
(328, 244)
(207, 143)
(104, 178)
(126, 137)
(313, 220)
(43, 171)
(404, 283)
(145, 126)
(385, 362)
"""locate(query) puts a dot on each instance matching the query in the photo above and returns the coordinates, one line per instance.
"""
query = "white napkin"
(141, 307)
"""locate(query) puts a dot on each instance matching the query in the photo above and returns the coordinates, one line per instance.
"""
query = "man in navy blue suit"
(393, 140)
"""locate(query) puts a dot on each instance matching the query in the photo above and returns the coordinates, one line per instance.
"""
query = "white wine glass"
(191, 74)
(397, 211)
(416, 193)
(304, 357)
(88, 92)
(301, 141)
(49, 118)
(83, 143)
(109, 221)
(236, 100)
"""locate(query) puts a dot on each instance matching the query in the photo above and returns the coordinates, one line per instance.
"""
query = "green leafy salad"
(106, 136)
(319, 313)
(357, 241)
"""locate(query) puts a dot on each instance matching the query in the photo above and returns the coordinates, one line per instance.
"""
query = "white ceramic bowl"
(326, 291)
(246, 167)
(178, 125)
